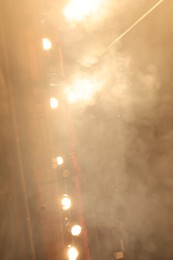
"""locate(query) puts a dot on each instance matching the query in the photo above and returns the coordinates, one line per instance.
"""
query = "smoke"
(114, 134)
(123, 147)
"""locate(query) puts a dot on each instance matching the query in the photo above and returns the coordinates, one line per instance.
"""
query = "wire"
(132, 26)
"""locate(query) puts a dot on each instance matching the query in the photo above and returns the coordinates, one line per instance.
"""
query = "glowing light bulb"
(72, 253)
(47, 44)
(60, 160)
(76, 230)
(54, 103)
(66, 202)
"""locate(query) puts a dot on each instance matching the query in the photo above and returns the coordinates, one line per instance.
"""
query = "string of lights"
(69, 192)
(66, 203)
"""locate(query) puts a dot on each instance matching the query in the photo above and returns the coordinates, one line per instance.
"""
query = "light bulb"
(54, 103)
(76, 230)
(47, 44)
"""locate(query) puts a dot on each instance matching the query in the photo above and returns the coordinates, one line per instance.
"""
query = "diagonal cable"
(132, 26)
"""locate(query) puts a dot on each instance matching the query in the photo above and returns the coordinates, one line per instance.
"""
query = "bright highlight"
(60, 160)
(54, 103)
(77, 10)
(47, 44)
(66, 202)
(72, 253)
(76, 230)
(82, 90)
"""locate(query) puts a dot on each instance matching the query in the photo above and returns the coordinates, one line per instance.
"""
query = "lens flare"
(82, 90)
(76, 230)
(66, 202)
(72, 253)
(77, 10)
(47, 44)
